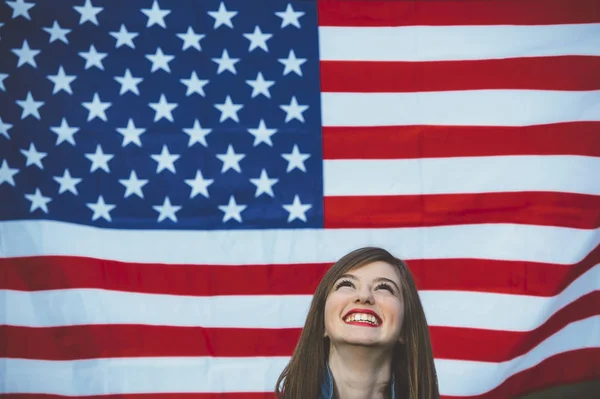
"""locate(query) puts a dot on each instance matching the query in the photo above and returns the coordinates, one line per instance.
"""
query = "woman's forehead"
(375, 270)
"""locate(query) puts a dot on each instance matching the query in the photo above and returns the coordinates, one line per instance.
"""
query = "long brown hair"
(412, 363)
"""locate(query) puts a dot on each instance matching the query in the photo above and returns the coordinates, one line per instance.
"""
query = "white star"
(197, 134)
(262, 134)
(38, 201)
(7, 174)
(166, 210)
(62, 81)
(30, 107)
(96, 108)
(93, 58)
(128, 83)
(229, 110)
(226, 63)
(260, 86)
(165, 160)
(2, 77)
(292, 64)
(199, 185)
(156, 15)
(133, 185)
(99, 160)
(124, 37)
(26, 55)
(34, 157)
(101, 209)
(232, 210)
(297, 210)
(88, 12)
(258, 39)
(290, 17)
(131, 134)
(4, 127)
(163, 109)
(264, 184)
(191, 39)
(58, 33)
(160, 60)
(231, 160)
(295, 159)
(294, 110)
(67, 183)
(20, 8)
(222, 16)
(64, 132)
(194, 85)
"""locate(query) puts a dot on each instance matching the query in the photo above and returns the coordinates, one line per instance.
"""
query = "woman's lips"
(362, 317)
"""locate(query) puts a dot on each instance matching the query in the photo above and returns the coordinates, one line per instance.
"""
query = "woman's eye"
(385, 286)
(344, 283)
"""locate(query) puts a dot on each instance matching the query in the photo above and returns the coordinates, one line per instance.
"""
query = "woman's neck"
(361, 372)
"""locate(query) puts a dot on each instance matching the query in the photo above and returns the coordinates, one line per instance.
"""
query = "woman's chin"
(364, 340)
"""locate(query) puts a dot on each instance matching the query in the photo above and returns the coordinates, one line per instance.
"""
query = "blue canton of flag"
(139, 114)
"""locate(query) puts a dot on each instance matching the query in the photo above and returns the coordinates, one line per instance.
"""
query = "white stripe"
(518, 242)
(94, 306)
(176, 375)
(463, 175)
(437, 43)
(475, 378)
(460, 108)
(443, 308)
(497, 311)
(141, 375)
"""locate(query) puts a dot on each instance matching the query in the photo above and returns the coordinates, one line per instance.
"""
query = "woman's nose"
(364, 295)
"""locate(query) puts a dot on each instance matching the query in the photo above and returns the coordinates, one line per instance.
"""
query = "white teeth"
(362, 317)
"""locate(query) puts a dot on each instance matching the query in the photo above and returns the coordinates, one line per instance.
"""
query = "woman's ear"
(402, 340)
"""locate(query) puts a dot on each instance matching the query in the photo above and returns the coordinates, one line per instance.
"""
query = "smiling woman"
(365, 335)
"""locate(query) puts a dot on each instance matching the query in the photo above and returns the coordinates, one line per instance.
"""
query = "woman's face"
(365, 307)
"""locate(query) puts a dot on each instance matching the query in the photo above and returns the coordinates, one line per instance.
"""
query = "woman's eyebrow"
(377, 280)
(380, 279)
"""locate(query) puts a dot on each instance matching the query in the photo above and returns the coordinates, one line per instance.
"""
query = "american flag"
(177, 176)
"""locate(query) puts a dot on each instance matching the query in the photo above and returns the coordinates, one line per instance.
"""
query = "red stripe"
(457, 12)
(543, 73)
(411, 142)
(495, 276)
(537, 208)
(564, 368)
(113, 341)
(498, 276)
(61, 272)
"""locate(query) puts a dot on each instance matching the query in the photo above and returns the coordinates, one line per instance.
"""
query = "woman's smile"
(362, 317)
